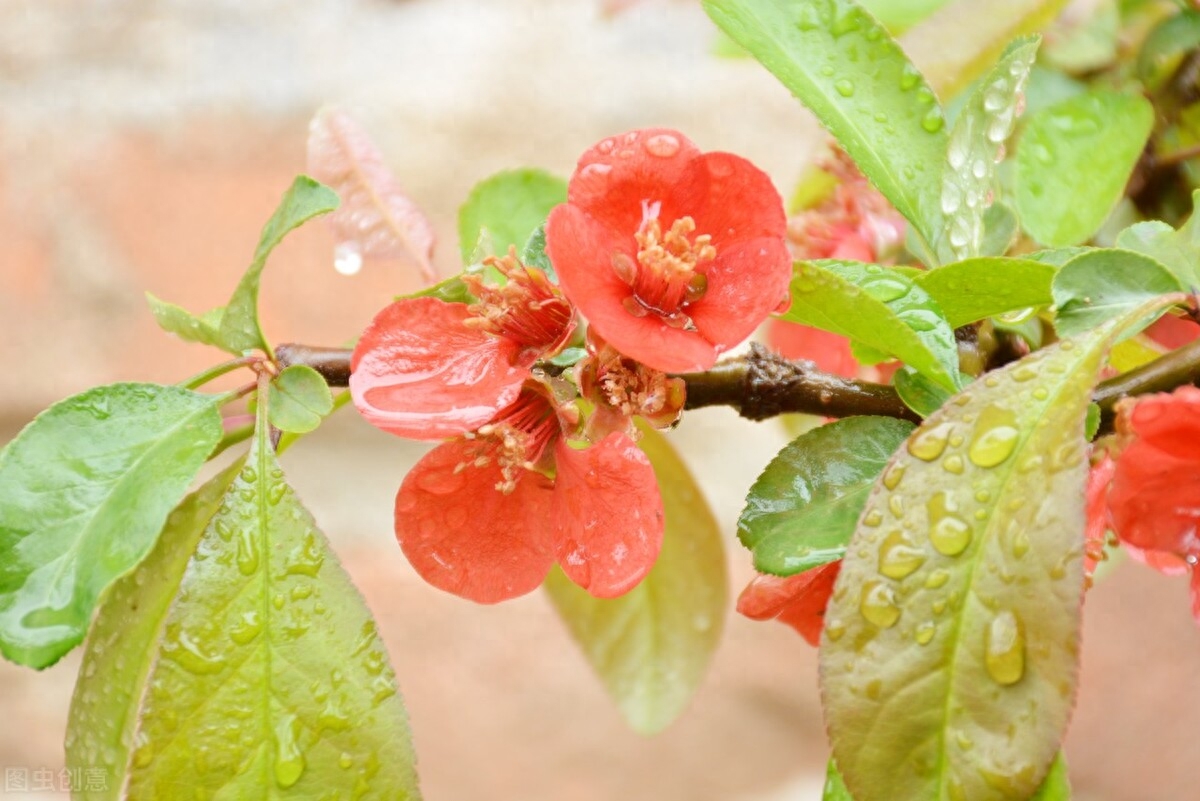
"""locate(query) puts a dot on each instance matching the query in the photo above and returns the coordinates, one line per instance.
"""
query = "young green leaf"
(204, 328)
(1100, 285)
(651, 646)
(376, 218)
(880, 308)
(956, 44)
(835, 788)
(839, 62)
(1178, 251)
(451, 290)
(265, 676)
(1000, 229)
(1093, 140)
(299, 399)
(971, 290)
(534, 253)
(504, 210)
(960, 593)
(1166, 46)
(120, 648)
(976, 145)
(801, 511)
(240, 330)
(919, 393)
(84, 491)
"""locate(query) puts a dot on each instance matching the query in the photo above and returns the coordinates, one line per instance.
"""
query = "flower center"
(632, 388)
(517, 439)
(665, 279)
(528, 309)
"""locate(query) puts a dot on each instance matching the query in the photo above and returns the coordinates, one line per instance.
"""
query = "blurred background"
(143, 143)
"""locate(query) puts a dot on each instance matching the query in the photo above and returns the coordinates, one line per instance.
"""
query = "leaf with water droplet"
(918, 393)
(376, 219)
(973, 289)
(255, 665)
(1178, 251)
(300, 398)
(969, 168)
(504, 210)
(989, 505)
(652, 646)
(1093, 140)
(1100, 285)
(881, 308)
(801, 511)
(84, 491)
(240, 330)
(900, 143)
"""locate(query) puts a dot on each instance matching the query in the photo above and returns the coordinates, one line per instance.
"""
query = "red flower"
(1173, 332)
(799, 600)
(428, 369)
(673, 255)
(829, 351)
(479, 517)
(621, 389)
(1154, 499)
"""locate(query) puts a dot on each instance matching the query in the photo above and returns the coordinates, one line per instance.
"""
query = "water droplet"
(249, 474)
(933, 120)
(953, 464)
(247, 552)
(844, 87)
(834, 629)
(662, 145)
(928, 443)
(994, 438)
(181, 649)
(891, 479)
(909, 77)
(885, 289)
(246, 629)
(348, 258)
(1004, 649)
(1020, 543)
(899, 558)
(923, 634)
(896, 505)
(1024, 373)
(878, 604)
(289, 759)
(937, 579)
(872, 518)
(948, 532)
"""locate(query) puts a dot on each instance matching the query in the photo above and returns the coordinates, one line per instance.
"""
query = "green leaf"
(976, 140)
(1101, 285)
(956, 44)
(1087, 44)
(1165, 48)
(835, 788)
(84, 491)
(569, 357)
(801, 511)
(971, 290)
(451, 290)
(1000, 228)
(845, 67)
(919, 393)
(254, 669)
(534, 253)
(960, 592)
(120, 648)
(299, 399)
(204, 328)
(1178, 251)
(880, 308)
(652, 646)
(1092, 141)
(897, 15)
(503, 211)
(240, 330)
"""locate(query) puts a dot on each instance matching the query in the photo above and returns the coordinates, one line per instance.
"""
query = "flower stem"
(202, 378)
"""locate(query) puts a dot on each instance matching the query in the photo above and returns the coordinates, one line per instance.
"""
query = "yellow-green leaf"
(652, 646)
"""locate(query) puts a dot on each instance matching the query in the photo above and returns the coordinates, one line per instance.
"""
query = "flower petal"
(418, 372)
(466, 537)
(729, 198)
(620, 176)
(581, 250)
(830, 352)
(608, 515)
(798, 601)
(746, 282)
(1173, 332)
(1169, 422)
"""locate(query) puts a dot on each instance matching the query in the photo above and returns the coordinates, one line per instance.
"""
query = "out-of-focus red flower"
(856, 223)
(799, 600)
(1095, 534)
(621, 389)
(428, 369)
(1173, 332)
(673, 255)
(480, 517)
(1154, 498)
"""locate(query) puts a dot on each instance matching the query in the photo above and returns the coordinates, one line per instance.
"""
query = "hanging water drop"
(994, 438)
(347, 258)
(1004, 649)
(878, 604)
